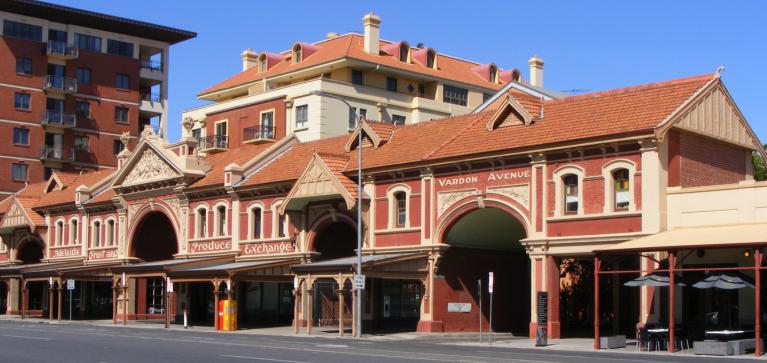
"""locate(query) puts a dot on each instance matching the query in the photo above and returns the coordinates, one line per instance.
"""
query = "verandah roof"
(696, 237)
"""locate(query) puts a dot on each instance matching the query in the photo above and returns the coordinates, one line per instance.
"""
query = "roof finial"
(719, 71)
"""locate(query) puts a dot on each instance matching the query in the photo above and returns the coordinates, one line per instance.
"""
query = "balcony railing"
(57, 153)
(61, 49)
(257, 133)
(151, 64)
(60, 119)
(60, 83)
(213, 142)
(151, 97)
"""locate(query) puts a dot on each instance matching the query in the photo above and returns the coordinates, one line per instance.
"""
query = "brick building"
(72, 82)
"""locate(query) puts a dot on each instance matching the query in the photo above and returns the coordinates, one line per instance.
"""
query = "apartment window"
(83, 109)
(431, 56)
(302, 116)
(23, 66)
(88, 42)
(19, 172)
(297, 53)
(486, 96)
(81, 143)
(357, 77)
(255, 223)
(21, 101)
(391, 84)
(122, 81)
(493, 74)
(455, 95)
(621, 194)
(197, 134)
(23, 31)
(20, 136)
(121, 114)
(73, 232)
(221, 220)
(96, 234)
(421, 89)
(398, 119)
(571, 193)
(267, 120)
(352, 118)
(117, 147)
(117, 47)
(363, 114)
(110, 236)
(404, 52)
(400, 199)
(202, 223)
(83, 75)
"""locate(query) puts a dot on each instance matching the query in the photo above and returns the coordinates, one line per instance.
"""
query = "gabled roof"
(239, 155)
(351, 46)
(510, 112)
(376, 133)
(322, 178)
(67, 195)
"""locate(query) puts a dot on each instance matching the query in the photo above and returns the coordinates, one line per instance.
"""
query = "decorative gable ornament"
(149, 167)
(510, 113)
(318, 182)
(369, 136)
(16, 216)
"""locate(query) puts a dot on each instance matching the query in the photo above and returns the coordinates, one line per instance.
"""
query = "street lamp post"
(358, 291)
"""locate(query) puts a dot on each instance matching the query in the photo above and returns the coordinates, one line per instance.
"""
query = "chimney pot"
(371, 24)
(249, 59)
(536, 71)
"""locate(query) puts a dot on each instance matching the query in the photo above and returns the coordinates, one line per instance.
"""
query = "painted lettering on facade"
(493, 177)
(268, 248)
(102, 254)
(66, 252)
(209, 246)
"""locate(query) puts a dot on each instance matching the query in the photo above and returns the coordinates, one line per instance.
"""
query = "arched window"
(262, 63)
(621, 190)
(221, 220)
(59, 240)
(255, 222)
(297, 53)
(404, 52)
(74, 232)
(282, 226)
(400, 204)
(96, 234)
(110, 236)
(571, 193)
(493, 74)
(431, 58)
(202, 223)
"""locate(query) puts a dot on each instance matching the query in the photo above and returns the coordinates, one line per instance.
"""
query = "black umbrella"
(725, 281)
(654, 279)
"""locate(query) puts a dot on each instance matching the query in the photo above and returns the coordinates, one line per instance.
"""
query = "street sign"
(490, 282)
(169, 285)
(359, 282)
(70, 284)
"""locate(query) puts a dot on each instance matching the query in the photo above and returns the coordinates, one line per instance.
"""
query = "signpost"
(490, 290)
(479, 292)
(359, 282)
(70, 287)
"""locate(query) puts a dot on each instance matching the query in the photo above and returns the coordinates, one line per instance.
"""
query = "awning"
(226, 270)
(350, 263)
(18, 270)
(696, 237)
(163, 266)
(100, 271)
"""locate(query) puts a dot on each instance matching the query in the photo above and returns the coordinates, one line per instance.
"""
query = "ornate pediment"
(15, 217)
(321, 180)
(149, 167)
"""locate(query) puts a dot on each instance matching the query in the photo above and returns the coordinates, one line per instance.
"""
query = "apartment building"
(297, 91)
(72, 83)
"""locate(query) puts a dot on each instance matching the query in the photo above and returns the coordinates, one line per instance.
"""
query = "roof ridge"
(639, 87)
(455, 136)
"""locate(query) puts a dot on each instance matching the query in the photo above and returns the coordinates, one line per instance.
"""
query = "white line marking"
(264, 359)
(23, 337)
(332, 345)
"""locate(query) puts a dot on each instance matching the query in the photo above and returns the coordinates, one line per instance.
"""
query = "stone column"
(308, 312)
(341, 311)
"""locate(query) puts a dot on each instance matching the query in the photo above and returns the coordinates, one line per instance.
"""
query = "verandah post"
(596, 302)
(758, 301)
(671, 302)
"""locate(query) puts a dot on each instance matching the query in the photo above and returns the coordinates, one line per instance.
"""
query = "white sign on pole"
(359, 282)
(70, 284)
(490, 282)
(169, 285)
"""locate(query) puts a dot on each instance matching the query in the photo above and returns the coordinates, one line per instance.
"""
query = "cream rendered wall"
(745, 202)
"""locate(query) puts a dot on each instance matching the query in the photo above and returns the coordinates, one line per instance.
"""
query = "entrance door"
(221, 131)
(399, 304)
(325, 304)
(201, 303)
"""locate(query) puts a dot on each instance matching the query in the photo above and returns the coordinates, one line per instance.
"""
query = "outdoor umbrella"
(725, 281)
(654, 279)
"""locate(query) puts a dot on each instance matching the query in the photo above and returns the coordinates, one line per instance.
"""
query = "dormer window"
(297, 53)
(493, 74)
(404, 52)
(431, 59)
(262, 66)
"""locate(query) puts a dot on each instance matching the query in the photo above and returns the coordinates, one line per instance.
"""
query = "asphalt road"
(27, 341)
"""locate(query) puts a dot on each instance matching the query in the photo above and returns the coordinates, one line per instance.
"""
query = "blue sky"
(587, 45)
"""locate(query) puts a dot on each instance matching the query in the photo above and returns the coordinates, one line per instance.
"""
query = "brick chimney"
(249, 59)
(372, 26)
(536, 71)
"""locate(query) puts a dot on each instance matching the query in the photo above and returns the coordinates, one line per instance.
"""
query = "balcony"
(151, 104)
(211, 144)
(151, 69)
(60, 50)
(57, 154)
(60, 84)
(256, 134)
(61, 120)
(151, 64)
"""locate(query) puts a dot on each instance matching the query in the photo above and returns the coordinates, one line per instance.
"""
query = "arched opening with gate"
(30, 251)
(336, 240)
(483, 240)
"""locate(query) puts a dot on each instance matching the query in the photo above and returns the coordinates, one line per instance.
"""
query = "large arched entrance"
(30, 252)
(154, 238)
(484, 240)
(336, 240)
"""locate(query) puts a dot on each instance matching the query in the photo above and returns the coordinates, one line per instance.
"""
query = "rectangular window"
(117, 47)
(83, 109)
(357, 77)
(570, 182)
(486, 96)
(302, 116)
(281, 228)
(122, 81)
(81, 143)
(352, 118)
(155, 298)
(23, 66)
(401, 210)
(23, 31)
(88, 42)
(121, 114)
(20, 136)
(455, 95)
(117, 147)
(398, 119)
(83, 75)
(197, 134)
(391, 84)
(21, 101)
(110, 236)
(622, 193)
(19, 172)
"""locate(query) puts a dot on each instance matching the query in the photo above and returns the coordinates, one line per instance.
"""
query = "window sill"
(594, 216)
(22, 109)
(398, 230)
(265, 240)
(205, 239)
(101, 248)
(28, 75)
(21, 145)
(301, 129)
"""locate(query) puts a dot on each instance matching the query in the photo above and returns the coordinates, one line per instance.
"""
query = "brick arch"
(29, 241)
(141, 215)
(470, 204)
(319, 225)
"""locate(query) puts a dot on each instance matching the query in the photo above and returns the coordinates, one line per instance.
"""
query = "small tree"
(760, 168)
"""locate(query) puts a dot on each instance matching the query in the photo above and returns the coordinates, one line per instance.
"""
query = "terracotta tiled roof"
(351, 46)
(67, 195)
(67, 177)
(5, 204)
(337, 164)
(239, 155)
(27, 203)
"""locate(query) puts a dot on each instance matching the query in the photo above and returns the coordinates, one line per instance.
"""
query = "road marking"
(264, 359)
(23, 337)
(332, 345)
